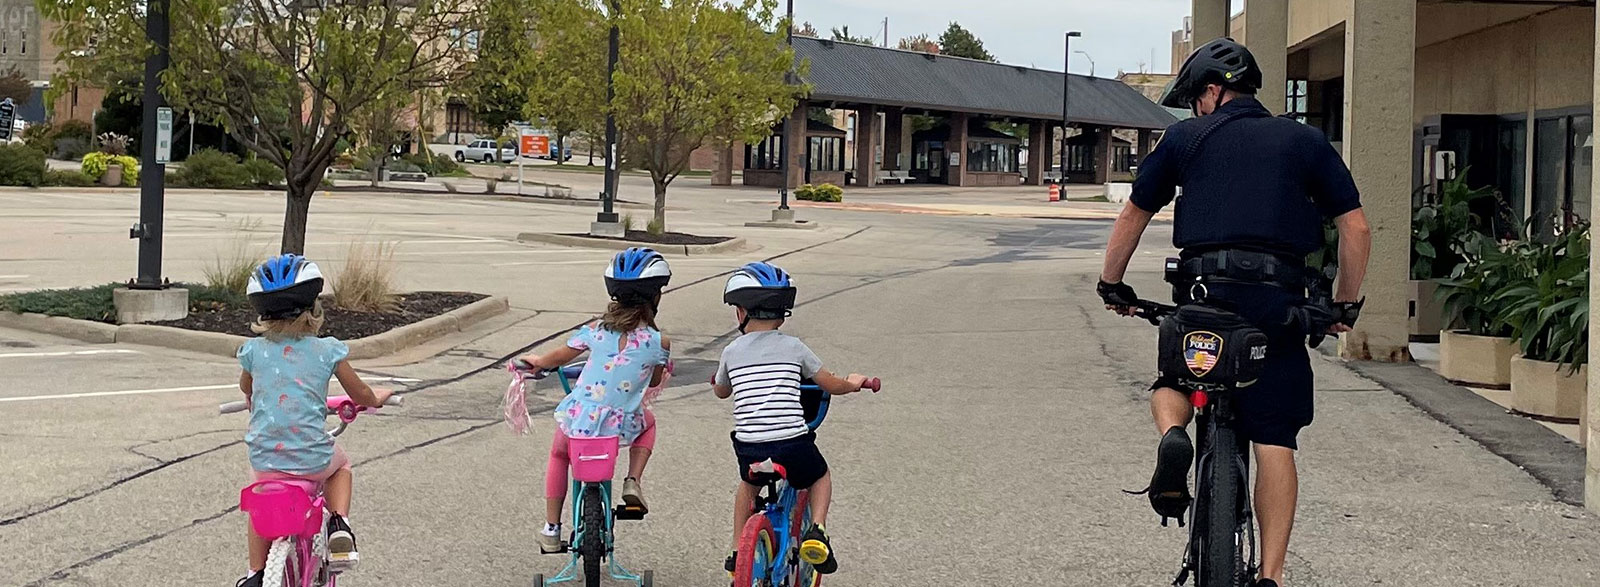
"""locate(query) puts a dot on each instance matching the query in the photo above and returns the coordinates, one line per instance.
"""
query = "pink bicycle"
(291, 514)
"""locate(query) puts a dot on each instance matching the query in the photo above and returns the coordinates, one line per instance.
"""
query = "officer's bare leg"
(1170, 408)
(1277, 491)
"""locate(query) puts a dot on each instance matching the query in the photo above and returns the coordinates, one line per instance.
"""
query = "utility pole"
(1066, 90)
(606, 222)
(152, 175)
(1086, 55)
(788, 127)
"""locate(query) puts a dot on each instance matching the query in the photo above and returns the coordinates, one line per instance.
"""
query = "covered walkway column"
(1379, 65)
(893, 119)
(956, 150)
(1211, 19)
(723, 175)
(866, 146)
(1144, 146)
(794, 153)
(1591, 419)
(1102, 155)
(1267, 34)
(1038, 151)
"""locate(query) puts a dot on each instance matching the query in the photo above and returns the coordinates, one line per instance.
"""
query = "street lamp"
(788, 126)
(1086, 55)
(1066, 89)
(607, 220)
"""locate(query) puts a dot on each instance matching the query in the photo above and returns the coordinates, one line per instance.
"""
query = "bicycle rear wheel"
(593, 547)
(1222, 560)
(757, 549)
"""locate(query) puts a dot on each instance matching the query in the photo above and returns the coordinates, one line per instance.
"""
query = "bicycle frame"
(787, 510)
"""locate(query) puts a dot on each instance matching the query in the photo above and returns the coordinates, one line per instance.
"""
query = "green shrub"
(67, 178)
(263, 173)
(70, 148)
(95, 165)
(437, 165)
(83, 303)
(41, 137)
(74, 129)
(820, 193)
(21, 165)
(210, 168)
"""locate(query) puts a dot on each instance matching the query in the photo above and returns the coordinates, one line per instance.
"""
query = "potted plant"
(1435, 229)
(1478, 352)
(1548, 310)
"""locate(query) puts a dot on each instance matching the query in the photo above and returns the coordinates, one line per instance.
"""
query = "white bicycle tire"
(277, 561)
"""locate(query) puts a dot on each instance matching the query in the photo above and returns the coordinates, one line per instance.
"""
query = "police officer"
(1254, 187)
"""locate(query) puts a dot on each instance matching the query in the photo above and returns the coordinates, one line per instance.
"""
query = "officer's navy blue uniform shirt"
(1259, 182)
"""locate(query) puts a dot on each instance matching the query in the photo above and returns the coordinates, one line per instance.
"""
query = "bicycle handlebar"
(1153, 312)
(334, 403)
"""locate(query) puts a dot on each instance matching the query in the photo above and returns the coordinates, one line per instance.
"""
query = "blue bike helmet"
(762, 289)
(284, 287)
(636, 276)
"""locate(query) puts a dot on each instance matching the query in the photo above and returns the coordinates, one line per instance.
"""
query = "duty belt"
(1241, 266)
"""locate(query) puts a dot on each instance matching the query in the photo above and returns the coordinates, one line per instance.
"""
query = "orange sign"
(535, 146)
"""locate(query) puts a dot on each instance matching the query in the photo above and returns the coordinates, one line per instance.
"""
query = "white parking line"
(69, 353)
(164, 390)
(13, 276)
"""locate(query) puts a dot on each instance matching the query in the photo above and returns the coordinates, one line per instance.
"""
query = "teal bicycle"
(592, 543)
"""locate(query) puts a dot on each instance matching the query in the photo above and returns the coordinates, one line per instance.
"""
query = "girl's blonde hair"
(306, 324)
(620, 318)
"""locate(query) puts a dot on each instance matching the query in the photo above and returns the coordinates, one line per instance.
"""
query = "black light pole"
(607, 213)
(1066, 89)
(152, 175)
(783, 190)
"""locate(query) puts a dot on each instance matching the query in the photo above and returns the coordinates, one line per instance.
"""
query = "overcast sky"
(1117, 34)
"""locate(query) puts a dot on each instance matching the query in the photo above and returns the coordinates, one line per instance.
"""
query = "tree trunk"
(661, 204)
(561, 141)
(377, 168)
(294, 217)
(591, 151)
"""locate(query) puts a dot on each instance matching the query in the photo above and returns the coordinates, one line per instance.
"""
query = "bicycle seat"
(767, 472)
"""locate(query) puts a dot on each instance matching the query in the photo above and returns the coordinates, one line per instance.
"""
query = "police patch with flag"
(1200, 352)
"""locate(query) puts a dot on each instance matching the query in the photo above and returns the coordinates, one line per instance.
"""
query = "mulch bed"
(665, 238)
(340, 324)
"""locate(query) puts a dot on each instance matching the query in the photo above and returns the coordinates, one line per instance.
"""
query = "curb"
(734, 244)
(227, 345)
(796, 225)
(1552, 460)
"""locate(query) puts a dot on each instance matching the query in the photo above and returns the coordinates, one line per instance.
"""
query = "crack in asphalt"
(61, 573)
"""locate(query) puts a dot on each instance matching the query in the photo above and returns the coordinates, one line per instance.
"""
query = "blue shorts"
(802, 463)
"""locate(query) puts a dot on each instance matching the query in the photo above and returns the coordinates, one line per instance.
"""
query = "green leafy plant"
(210, 168)
(656, 227)
(1471, 295)
(263, 173)
(67, 178)
(83, 303)
(113, 143)
(21, 165)
(96, 164)
(1436, 226)
(1548, 308)
(820, 193)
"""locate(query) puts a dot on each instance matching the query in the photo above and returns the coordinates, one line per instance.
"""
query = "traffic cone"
(1055, 192)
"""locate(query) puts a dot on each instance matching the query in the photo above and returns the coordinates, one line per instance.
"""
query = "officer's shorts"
(1279, 404)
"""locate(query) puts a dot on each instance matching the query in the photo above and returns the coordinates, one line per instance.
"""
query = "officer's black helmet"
(1222, 62)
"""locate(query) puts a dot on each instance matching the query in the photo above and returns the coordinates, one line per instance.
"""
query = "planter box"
(1427, 314)
(113, 175)
(1478, 361)
(1547, 390)
(1118, 192)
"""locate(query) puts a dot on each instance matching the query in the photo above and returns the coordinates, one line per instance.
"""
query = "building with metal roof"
(896, 95)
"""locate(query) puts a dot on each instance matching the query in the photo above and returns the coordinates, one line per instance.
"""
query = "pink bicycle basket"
(593, 459)
(282, 508)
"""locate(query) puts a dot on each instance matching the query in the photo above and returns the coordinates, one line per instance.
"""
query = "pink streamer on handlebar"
(515, 403)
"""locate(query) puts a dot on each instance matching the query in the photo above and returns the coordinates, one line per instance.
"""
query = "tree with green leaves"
(497, 86)
(960, 42)
(568, 87)
(919, 43)
(284, 78)
(843, 34)
(697, 70)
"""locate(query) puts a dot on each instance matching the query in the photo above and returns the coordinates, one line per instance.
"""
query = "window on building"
(1080, 158)
(767, 154)
(995, 157)
(826, 154)
(1122, 158)
(1580, 167)
(1513, 165)
(1562, 172)
(1333, 109)
(1297, 102)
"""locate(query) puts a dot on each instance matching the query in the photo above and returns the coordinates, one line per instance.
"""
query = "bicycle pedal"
(629, 512)
(340, 562)
(564, 549)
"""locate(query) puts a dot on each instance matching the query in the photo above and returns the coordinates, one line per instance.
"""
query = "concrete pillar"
(866, 147)
(723, 174)
(1267, 34)
(1210, 20)
(893, 121)
(1144, 146)
(1591, 418)
(1038, 151)
(956, 150)
(1379, 65)
(795, 152)
(1102, 155)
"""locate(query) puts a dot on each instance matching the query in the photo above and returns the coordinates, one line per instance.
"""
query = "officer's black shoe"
(731, 562)
(1169, 487)
(1266, 583)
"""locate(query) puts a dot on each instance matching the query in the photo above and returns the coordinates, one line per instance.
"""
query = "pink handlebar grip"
(873, 383)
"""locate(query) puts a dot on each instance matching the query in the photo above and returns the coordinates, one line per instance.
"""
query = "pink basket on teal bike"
(594, 460)
(281, 508)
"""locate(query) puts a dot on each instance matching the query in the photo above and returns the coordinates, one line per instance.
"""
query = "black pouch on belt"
(1206, 347)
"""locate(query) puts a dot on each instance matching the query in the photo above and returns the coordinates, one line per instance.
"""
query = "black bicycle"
(1222, 541)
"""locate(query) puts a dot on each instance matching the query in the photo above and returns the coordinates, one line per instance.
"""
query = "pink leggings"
(555, 474)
